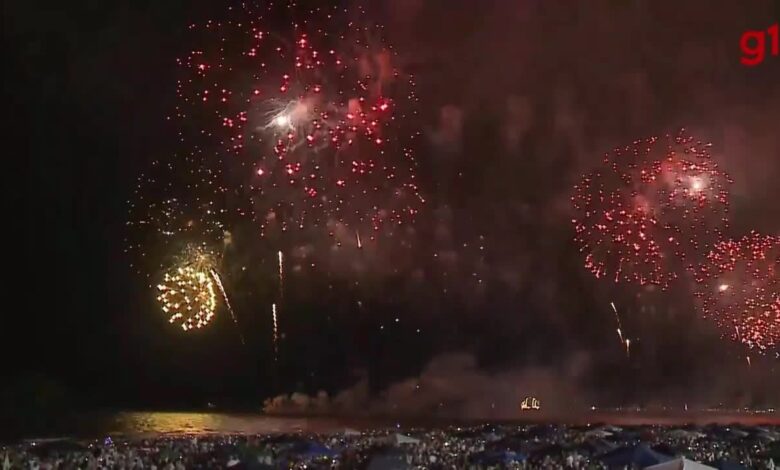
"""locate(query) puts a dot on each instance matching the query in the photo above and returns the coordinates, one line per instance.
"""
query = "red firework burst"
(646, 214)
(315, 118)
(738, 288)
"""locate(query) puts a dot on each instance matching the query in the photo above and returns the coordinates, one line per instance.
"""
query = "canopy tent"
(640, 455)
(351, 432)
(680, 463)
(399, 439)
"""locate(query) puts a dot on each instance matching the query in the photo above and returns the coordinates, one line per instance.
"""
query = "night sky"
(517, 99)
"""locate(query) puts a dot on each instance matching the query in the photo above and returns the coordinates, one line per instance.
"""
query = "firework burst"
(646, 215)
(739, 289)
(188, 291)
(314, 118)
(299, 135)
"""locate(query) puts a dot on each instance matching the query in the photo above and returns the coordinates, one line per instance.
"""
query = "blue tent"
(312, 450)
(497, 457)
(640, 454)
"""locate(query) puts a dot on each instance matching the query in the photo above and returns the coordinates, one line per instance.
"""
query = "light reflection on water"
(203, 423)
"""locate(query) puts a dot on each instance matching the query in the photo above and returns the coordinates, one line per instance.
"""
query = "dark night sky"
(87, 86)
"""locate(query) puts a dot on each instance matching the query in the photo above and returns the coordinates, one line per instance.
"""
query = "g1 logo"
(753, 45)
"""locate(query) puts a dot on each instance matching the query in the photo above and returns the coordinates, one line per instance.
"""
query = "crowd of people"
(482, 447)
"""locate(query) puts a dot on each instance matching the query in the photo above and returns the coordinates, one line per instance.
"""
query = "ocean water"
(139, 423)
(151, 423)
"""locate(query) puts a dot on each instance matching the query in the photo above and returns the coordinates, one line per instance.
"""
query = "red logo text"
(754, 45)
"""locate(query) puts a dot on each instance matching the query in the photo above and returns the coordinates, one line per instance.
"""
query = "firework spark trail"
(280, 258)
(626, 342)
(221, 287)
(276, 333)
(620, 327)
(357, 237)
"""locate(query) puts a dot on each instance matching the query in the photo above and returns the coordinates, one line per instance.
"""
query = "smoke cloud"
(453, 386)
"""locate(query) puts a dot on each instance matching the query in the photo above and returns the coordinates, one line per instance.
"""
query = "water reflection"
(168, 422)
(204, 423)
